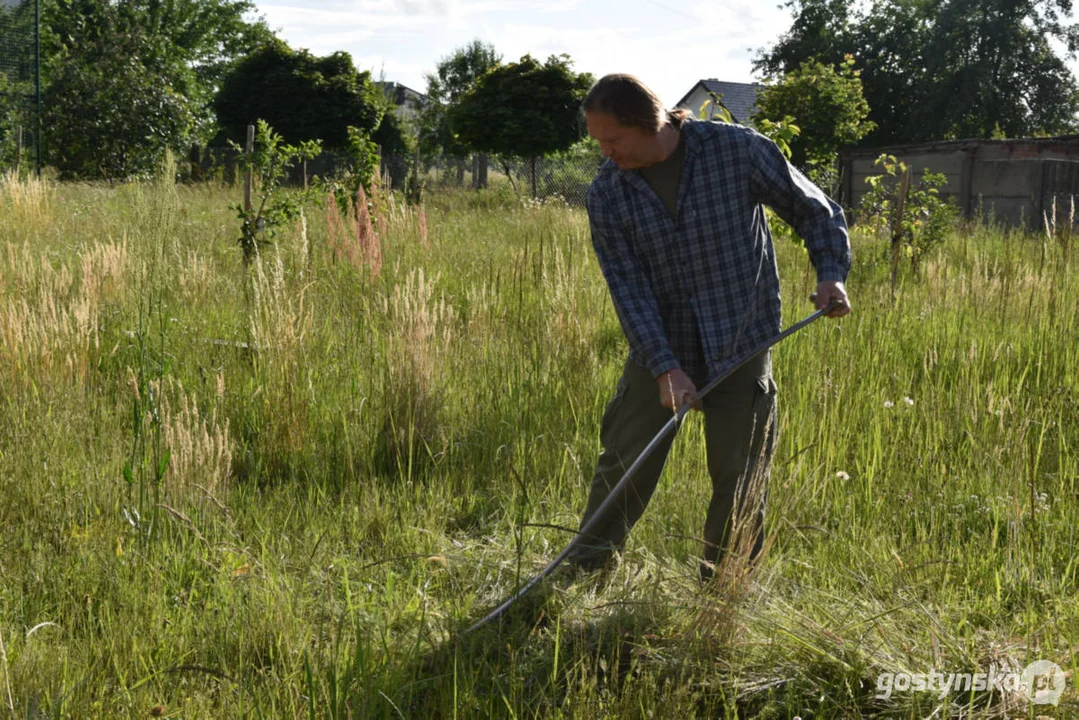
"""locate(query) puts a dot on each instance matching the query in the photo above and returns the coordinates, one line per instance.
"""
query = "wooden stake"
(897, 228)
(249, 151)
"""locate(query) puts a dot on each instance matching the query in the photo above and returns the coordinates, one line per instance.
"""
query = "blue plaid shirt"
(696, 291)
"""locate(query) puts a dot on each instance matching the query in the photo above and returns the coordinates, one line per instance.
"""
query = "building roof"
(739, 98)
(961, 145)
(401, 94)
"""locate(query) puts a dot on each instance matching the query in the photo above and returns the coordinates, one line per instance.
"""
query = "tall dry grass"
(391, 454)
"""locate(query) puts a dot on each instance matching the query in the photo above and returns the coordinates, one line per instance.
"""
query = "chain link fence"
(559, 178)
(562, 177)
(20, 85)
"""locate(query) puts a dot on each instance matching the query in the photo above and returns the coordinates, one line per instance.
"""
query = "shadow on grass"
(535, 660)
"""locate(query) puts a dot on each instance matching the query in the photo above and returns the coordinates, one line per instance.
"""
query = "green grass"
(330, 473)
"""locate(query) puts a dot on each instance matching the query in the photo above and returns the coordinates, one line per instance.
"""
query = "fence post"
(18, 151)
(37, 86)
(533, 177)
(249, 151)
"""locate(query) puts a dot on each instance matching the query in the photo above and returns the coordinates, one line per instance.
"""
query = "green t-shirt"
(664, 177)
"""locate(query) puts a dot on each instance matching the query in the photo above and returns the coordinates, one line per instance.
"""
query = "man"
(679, 228)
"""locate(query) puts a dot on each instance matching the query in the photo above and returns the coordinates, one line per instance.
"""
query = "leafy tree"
(939, 69)
(991, 64)
(827, 104)
(889, 46)
(125, 80)
(524, 108)
(270, 161)
(911, 214)
(455, 75)
(188, 44)
(303, 97)
(110, 110)
(821, 30)
(453, 78)
(16, 74)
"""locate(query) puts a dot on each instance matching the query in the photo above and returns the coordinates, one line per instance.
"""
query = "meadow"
(281, 489)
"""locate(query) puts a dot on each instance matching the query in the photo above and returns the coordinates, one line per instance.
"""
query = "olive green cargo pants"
(740, 429)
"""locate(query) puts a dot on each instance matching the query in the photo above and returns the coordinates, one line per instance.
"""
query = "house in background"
(409, 103)
(739, 98)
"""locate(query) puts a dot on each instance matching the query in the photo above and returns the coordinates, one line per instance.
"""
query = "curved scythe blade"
(619, 490)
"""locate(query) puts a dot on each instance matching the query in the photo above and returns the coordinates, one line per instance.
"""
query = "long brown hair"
(631, 103)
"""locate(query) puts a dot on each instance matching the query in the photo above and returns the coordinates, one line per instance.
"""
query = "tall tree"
(111, 110)
(821, 30)
(187, 44)
(525, 108)
(303, 97)
(992, 69)
(454, 76)
(17, 66)
(938, 69)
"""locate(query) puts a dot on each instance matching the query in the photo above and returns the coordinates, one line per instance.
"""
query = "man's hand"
(676, 389)
(827, 292)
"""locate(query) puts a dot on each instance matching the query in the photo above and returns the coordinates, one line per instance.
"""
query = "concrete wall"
(951, 164)
(1012, 181)
(1007, 191)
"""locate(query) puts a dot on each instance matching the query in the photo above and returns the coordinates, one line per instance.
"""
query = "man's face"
(628, 147)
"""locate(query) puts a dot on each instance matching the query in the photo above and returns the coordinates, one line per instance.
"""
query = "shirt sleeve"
(631, 292)
(812, 214)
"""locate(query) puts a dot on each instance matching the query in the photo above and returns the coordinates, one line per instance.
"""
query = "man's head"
(626, 118)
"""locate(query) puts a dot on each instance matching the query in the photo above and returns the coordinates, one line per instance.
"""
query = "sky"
(669, 44)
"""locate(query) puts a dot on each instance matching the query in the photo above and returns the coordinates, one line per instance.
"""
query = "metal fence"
(20, 84)
(562, 177)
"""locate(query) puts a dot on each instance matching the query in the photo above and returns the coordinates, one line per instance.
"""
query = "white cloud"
(670, 44)
(326, 31)
(393, 69)
(670, 63)
(427, 8)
